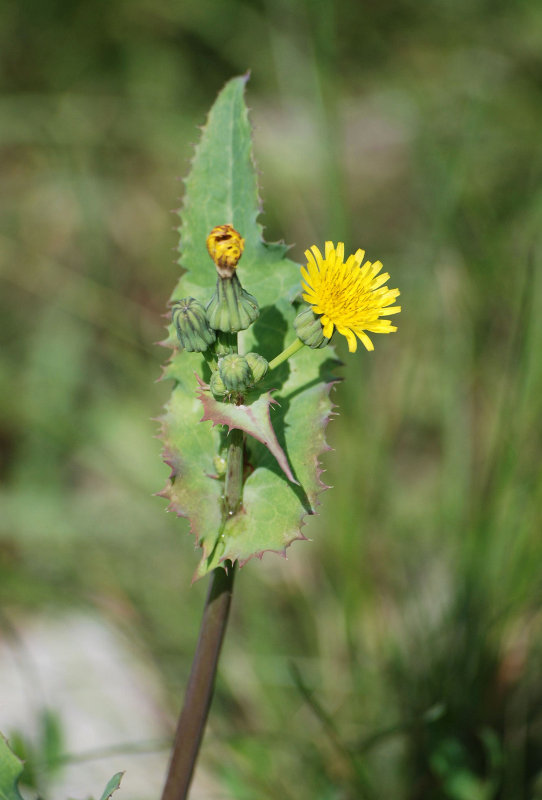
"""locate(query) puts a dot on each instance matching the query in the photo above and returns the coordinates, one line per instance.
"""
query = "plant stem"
(233, 487)
(296, 345)
(199, 692)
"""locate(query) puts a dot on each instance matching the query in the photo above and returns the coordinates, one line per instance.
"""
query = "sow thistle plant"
(252, 366)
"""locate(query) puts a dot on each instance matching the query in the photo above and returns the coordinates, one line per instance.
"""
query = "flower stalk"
(191, 725)
(296, 345)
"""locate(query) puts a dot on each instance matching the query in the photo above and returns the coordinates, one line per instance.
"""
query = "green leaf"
(10, 772)
(27, 752)
(11, 769)
(112, 786)
(222, 188)
(252, 418)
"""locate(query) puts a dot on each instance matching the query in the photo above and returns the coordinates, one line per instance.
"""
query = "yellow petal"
(317, 256)
(364, 271)
(365, 340)
(350, 338)
(350, 296)
(359, 256)
(311, 262)
(377, 282)
(352, 343)
(327, 326)
(308, 297)
(381, 326)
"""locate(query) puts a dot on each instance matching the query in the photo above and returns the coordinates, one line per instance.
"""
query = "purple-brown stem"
(191, 725)
(199, 692)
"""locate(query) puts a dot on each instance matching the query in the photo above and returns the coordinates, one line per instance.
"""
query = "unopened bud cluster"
(238, 373)
(231, 309)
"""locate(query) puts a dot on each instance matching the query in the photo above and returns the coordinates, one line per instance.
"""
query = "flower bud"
(216, 385)
(258, 365)
(235, 372)
(309, 329)
(225, 246)
(231, 309)
(193, 331)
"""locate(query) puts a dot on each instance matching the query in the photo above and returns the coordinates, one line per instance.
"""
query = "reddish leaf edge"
(173, 507)
(169, 459)
(271, 441)
(303, 519)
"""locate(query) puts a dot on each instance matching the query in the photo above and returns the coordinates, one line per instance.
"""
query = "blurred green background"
(398, 655)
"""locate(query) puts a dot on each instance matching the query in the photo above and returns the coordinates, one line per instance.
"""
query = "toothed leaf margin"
(222, 188)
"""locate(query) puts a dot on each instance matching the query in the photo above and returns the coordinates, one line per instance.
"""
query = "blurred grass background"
(414, 618)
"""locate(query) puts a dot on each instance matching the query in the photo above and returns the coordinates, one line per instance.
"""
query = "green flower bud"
(309, 329)
(193, 331)
(216, 385)
(235, 372)
(231, 309)
(258, 365)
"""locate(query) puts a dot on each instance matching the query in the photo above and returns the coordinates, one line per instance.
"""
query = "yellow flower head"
(347, 295)
(225, 246)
